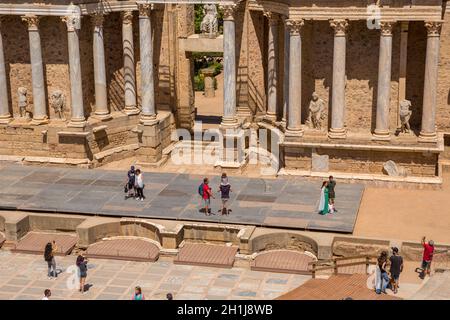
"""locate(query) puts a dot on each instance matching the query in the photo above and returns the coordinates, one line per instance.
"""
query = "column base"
(77, 123)
(381, 135)
(229, 123)
(427, 137)
(337, 133)
(148, 120)
(103, 116)
(6, 119)
(131, 110)
(270, 117)
(39, 121)
(294, 132)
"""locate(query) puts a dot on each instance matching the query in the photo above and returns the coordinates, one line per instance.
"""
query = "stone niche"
(279, 240)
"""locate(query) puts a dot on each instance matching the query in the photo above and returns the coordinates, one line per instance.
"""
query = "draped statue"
(209, 25)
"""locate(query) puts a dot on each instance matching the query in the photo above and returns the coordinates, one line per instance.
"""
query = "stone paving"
(281, 202)
(24, 276)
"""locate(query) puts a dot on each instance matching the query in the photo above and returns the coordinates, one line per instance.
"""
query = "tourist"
(331, 194)
(47, 294)
(138, 295)
(82, 268)
(205, 192)
(224, 189)
(382, 277)
(396, 268)
(139, 185)
(49, 256)
(129, 187)
(169, 296)
(323, 203)
(428, 251)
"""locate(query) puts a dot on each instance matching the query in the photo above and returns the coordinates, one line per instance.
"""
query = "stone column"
(428, 131)
(229, 67)
(286, 73)
(37, 71)
(402, 67)
(76, 91)
(209, 90)
(148, 113)
(272, 64)
(129, 67)
(101, 91)
(384, 82)
(295, 78)
(5, 115)
(337, 130)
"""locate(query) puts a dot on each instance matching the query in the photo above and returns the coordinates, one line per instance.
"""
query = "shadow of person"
(87, 286)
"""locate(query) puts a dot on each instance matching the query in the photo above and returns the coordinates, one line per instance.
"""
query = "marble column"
(37, 71)
(148, 113)
(428, 130)
(76, 91)
(337, 130)
(229, 67)
(286, 73)
(384, 82)
(295, 78)
(129, 67)
(272, 63)
(101, 91)
(5, 115)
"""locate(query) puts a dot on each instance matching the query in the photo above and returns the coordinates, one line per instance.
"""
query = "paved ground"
(289, 203)
(24, 276)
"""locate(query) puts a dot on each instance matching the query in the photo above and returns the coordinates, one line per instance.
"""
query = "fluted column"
(337, 130)
(37, 71)
(148, 112)
(286, 74)
(384, 82)
(129, 67)
(101, 91)
(295, 78)
(229, 67)
(76, 91)
(272, 70)
(428, 131)
(5, 115)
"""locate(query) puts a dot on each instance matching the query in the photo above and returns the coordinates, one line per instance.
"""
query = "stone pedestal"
(232, 151)
(209, 90)
(129, 67)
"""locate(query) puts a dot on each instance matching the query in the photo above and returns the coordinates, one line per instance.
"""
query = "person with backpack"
(49, 257)
(129, 187)
(205, 192)
(224, 189)
(82, 268)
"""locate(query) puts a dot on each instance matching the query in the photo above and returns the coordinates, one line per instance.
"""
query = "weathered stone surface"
(350, 248)
(392, 169)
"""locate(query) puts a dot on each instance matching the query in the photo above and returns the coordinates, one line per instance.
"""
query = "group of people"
(206, 193)
(327, 196)
(134, 186)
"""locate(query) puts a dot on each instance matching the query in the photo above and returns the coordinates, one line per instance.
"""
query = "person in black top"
(82, 268)
(331, 194)
(224, 189)
(396, 267)
(131, 178)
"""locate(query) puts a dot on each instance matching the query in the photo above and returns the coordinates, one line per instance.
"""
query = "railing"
(336, 263)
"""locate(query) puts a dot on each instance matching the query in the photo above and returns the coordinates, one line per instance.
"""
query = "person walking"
(47, 294)
(129, 187)
(323, 202)
(49, 257)
(395, 269)
(428, 251)
(205, 192)
(82, 268)
(382, 277)
(331, 193)
(224, 189)
(139, 185)
(138, 295)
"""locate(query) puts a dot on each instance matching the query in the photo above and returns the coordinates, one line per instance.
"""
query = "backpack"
(48, 255)
(200, 189)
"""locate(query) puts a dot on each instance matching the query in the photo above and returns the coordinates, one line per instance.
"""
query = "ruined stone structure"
(125, 71)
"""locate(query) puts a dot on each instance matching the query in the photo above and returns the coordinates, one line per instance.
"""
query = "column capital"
(386, 28)
(32, 21)
(71, 22)
(271, 16)
(127, 17)
(339, 26)
(145, 9)
(433, 28)
(98, 19)
(229, 11)
(294, 26)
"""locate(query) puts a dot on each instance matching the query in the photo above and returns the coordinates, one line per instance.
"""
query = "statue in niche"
(58, 103)
(22, 100)
(209, 25)
(405, 115)
(316, 112)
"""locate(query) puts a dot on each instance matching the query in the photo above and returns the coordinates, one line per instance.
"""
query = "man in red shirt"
(206, 195)
(428, 251)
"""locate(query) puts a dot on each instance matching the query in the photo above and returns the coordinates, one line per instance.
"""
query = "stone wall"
(443, 102)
